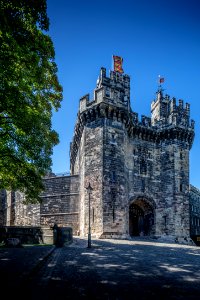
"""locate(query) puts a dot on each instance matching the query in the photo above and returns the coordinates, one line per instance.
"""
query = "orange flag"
(118, 64)
(160, 79)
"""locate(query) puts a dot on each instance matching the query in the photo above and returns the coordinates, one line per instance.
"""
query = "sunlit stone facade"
(138, 169)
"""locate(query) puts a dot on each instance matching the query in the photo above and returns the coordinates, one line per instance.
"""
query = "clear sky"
(153, 37)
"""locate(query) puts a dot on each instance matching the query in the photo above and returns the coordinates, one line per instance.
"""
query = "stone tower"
(138, 169)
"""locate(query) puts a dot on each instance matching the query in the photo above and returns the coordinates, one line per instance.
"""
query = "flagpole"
(112, 65)
(159, 85)
(161, 80)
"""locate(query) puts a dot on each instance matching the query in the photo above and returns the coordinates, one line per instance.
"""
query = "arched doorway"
(141, 218)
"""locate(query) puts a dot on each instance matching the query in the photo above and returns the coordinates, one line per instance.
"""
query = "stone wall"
(90, 155)
(115, 180)
(194, 211)
(93, 170)
(26, 214)
(26, 234)
(60, 202)
(7, 207)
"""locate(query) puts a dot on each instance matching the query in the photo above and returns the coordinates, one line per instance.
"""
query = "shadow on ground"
(117, 269)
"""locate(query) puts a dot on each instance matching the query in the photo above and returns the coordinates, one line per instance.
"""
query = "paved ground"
(19, 263)
(111, 269)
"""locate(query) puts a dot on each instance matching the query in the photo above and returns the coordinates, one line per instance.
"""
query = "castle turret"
(165, 111)
(113, 90)
(176, 133)
(159, 108)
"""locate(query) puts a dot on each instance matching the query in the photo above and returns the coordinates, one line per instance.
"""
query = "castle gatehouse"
(138, 169)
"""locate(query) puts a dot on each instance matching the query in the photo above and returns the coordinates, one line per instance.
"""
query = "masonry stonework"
(138, 170)
(60, 202)
(194, 211)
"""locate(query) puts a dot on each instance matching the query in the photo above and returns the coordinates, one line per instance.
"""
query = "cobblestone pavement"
(117, 270)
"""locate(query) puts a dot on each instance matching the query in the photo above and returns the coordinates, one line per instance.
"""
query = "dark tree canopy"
(29, 93)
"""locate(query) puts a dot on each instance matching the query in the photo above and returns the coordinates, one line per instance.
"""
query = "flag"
(161, 79)
(118, 64)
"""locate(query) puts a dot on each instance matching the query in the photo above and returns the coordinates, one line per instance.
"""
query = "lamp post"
(89, 191)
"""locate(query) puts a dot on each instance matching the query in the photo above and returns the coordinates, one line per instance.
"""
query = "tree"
(29, 93)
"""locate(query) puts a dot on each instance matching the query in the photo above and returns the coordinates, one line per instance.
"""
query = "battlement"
(114, 89)
(143, 121)
(84, 102)
(169, 119)
(180, 108)
(195, 190)
(166, 111)
(116, 79)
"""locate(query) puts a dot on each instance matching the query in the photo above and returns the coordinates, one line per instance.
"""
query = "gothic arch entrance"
(141, 217)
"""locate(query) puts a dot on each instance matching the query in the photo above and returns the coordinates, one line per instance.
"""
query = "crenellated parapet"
(168, 121)
(114, 90)
(179, 114)
(166, 111)
(135, 127)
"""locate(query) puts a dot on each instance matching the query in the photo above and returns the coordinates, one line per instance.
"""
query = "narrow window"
(143, 186)
(165, 221)
(143, 167)
(107, 92)
(181, 187)
(113, 176)
(113, 203)
(181, 155)
(113, 213)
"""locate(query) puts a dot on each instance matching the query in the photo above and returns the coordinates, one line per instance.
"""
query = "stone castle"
(138, 170)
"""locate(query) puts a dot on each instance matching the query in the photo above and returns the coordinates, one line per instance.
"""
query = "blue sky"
(153, 37)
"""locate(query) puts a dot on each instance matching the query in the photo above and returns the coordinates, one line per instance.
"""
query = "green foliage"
(29, 92)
